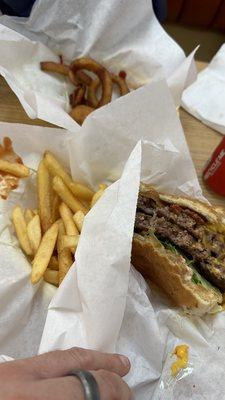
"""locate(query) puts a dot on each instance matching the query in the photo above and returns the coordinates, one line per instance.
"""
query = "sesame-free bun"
(171, 273)
(169, 270)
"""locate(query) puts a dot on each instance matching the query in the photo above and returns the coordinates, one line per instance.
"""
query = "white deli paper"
(102, 304)
(23, 307)
(120, 34)
(82, 317)
(205, 98)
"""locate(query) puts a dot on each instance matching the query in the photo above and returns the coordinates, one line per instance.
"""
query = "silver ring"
(88, 381)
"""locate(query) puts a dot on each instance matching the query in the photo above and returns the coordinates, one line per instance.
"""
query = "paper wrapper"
(100, 284)
(205, 97)
(121, 34)
(102, 303)
(23, 307)
(99, 305)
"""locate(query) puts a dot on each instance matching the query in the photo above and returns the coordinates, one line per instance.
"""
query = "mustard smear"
(182, 353)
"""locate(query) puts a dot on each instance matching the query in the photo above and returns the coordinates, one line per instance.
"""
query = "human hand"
(47, 377)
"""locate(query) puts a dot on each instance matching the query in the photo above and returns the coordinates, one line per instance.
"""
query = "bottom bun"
(172, 274)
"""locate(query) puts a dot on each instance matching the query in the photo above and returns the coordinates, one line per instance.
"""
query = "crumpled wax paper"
(205, 97)
(23, 307)
(120, 34)
(94, 315)
(102, 303)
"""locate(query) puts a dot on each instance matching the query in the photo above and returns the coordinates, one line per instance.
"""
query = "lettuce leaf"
(196, 277)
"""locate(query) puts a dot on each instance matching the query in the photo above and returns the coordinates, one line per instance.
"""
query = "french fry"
(68, 221)
(44, 253)
(86, 204)
(56, 169)
(102, 186)
(53, 263)
(34, 233)
(16, 169)
(64, 255)
(44, 196)
(79, 219)
(28, 214)
(81, 191)
(52, 277)
(70, 242)
(21, 230)
(66, 196)
(97, 196)
(58, 197)
(55, 207)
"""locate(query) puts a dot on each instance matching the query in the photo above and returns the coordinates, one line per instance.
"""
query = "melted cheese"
(182, 353)
(216, 227)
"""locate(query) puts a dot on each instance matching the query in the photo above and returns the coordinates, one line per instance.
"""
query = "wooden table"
(201, 139)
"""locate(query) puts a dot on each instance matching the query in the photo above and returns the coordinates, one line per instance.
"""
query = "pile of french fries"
(49, 235)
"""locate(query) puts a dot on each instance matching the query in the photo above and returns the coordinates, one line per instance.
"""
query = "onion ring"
(63, 69)
(79, 77)
(51, 66)
(80, 112)
(100, 71)
(121, 83)
(92, 89)
(78, 96)
(91, 93)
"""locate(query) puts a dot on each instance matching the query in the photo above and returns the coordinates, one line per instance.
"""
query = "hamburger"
(179, 244)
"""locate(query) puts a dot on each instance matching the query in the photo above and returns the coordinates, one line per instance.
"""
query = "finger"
(68, 388)
(111, 387)
(60, 363)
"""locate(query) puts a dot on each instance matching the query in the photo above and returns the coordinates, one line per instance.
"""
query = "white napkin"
(205, 98)
(120, 34)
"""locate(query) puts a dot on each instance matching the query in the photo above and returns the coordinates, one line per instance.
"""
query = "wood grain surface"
(201, 139)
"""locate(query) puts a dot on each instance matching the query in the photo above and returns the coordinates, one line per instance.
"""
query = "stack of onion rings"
(84, 99)
(100, 71)
(93, 87)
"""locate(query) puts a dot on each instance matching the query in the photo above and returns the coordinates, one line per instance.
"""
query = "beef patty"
(187, 231)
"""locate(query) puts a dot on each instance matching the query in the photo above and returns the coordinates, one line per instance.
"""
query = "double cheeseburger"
(179, 244)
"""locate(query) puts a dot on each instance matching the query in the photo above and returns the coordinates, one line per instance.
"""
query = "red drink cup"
(214, 172)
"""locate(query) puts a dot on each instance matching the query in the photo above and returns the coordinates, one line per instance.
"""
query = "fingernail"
(125, 361)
